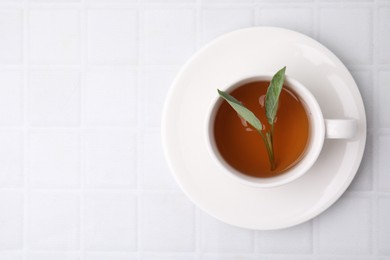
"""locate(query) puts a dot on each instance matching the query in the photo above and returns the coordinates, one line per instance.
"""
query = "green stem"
(272, 146)
(269, 149)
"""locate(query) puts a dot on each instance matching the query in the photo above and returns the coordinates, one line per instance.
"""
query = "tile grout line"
(198, 233)
(373, 198)
(82, 121)
(258, 19)
(197, 43)
(316, 33)
(378, 67)
(149, 66)
(256, 15)
(373, 206)
(26, 146)
(138, 190)
(139, 126)
(375, 140)
(255, 251)
(103, 190)
(316, 19)
(315, 235)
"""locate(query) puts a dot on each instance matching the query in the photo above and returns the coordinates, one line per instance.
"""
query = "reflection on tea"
(242, 147)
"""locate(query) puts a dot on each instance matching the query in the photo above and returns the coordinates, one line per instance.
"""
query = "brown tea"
(242, 146)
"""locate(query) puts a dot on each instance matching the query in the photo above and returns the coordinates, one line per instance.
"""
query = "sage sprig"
(244, 112)
(272, 96)
(271, 109)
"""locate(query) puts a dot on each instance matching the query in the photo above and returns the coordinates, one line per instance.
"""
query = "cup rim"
(312, 151)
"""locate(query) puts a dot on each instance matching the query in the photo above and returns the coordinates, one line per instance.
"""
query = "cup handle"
(340, 128)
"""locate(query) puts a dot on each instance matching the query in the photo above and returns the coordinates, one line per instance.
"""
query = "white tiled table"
(82, 174)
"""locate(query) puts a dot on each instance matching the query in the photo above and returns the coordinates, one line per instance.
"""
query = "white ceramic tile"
(294, 240)
(167, 222)
(287, 257)
(339, 257)
(230, 257)
(384, 163)
(11, 154)
(54, 98)
(110, 221)
(227, 1)
(52, 256)
(11, 31)
(110, 160)
(54, 160)
(282, 1)
(345, 228)
(53, 221)
(54, 36)
(112, 36)
(154, 175)
(218, 21)
(110, 256)
(54, 1)
(167, 36)
(297, 18)
(11, 97)
(11, 220)
(347, 32)
(11, 1)
(168, 256)
(346, 1)
(363, 178)
(383, 225)
(154, 89)
(110, 97)
(384, 94)
(112, 1)
(11, 256)
(218, 237)
(167, 1)
(384, 35)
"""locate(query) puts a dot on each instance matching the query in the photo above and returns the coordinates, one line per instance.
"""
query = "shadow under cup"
(310, 153)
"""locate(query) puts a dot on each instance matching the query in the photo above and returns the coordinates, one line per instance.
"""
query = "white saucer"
(227, 59)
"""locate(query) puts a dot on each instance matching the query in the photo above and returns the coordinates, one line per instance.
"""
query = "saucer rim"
(362, 134)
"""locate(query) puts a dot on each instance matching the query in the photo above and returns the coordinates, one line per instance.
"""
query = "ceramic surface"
(242, 54)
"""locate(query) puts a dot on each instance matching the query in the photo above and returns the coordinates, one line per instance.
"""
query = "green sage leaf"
(272, 96)
(244, 112)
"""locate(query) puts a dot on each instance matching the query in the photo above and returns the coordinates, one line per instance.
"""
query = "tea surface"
(242, 146)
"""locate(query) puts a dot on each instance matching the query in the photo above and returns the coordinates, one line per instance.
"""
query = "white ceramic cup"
(320, 129)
